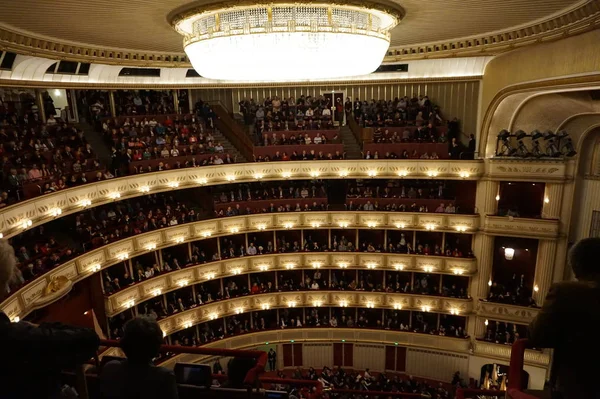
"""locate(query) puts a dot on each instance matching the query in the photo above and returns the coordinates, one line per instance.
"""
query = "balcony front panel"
(506, 312)
(522, 227)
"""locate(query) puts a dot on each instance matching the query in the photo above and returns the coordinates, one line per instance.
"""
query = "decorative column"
(111, 100)
(552, 201)
(175, 100)
(485, 201)
(39, 99)
(544, 270)
(483, 249)
(191, 102)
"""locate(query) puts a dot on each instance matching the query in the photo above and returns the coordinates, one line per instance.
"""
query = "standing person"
(568, 322)
(272, 359)
(137, 377)
(32, 356)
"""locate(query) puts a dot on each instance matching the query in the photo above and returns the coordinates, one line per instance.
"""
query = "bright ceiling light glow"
(316, 35)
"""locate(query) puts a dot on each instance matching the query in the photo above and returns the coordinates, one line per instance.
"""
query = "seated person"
(137, 377)
(568, 323)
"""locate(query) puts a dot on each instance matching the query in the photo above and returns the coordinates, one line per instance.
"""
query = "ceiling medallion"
(280, 41)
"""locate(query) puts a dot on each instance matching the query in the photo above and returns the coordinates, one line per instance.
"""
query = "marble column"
(552, 201)
(111, 100)
(544, 269)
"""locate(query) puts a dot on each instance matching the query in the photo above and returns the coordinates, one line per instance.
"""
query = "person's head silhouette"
(584, 257)
(141, 340)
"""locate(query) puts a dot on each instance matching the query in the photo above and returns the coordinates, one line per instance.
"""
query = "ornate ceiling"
(138, 31)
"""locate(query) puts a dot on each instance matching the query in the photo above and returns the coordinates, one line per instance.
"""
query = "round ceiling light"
(286, 41)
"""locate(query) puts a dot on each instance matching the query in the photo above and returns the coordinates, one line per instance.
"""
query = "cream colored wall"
(317, 355)
(434, 364)
(571, 56)
(369, 356)
(455, 98)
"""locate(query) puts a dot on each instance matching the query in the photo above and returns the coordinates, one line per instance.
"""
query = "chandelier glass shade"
(286, 41)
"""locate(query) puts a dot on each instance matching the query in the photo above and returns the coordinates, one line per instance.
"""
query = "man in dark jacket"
(568, 322)
(137, 377)
(32, 356)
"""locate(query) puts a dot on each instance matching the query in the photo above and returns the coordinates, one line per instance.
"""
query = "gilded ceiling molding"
(572, 22)
(260, 85)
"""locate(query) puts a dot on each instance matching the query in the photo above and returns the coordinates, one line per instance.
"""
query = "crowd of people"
(144, 102)
(515, 291)
(304, 155)
(401, 111)
(503, 332)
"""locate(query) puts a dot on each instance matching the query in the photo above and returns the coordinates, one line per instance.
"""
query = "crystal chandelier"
(286, 41)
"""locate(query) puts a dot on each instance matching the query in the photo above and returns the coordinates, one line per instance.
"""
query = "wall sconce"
(371, 224)
(343, 265)
(261, 227)
(1, 235)
(206, 233)
(123, 256)
(397, 306)
(202, 181)
(426, 308)
(428, 269)
(370, 305)
(399, 266)
(286, 175)
(288, 225)
(343, 173)
(536, 288)
(458, 271)
(371, 265)
(114, 196)
(291, 304)
(144, 189)
(461, 229)
(129, 304)
(164, 333)
(239, 310)
(317, 304)
(258, 176)
(55, 212)
(372, 173)
(187, 324)
(151, 247)
(157, 292)
(85, 202)
(26, 223)
(464, 175)
(234, 230)
(454, 311)
(210, 276)
(400, 225)
(432, 173)
(179, 240)
(290, 266)
(315, 173)
(546, 200)
(486, 322)
(235, 271)
(344, 304)
(344, 225)
(316, 265)
(430, 226)
(230, 178)
(498, 197)
(315, 225)
(213, 316)
(265, 306)
(182, 283)
(509, 253)
(173, 184)
(263, 268)
(490, 283)
(402, 173)
(95, 268)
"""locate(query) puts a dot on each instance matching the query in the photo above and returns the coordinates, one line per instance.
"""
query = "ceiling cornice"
(582, 18)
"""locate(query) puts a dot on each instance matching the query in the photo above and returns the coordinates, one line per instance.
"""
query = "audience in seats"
(417, 110)
(338, 378)
(514, 292)
(299, 139)
(40, 158)
(136, 376)
(144, 102)
(304, 155)
(504, 333)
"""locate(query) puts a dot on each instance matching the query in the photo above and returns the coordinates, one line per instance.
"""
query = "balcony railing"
(522, 227)
(32, 296)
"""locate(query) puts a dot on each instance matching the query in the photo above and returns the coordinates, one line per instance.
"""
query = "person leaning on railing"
(568, 322)
(32, 356)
